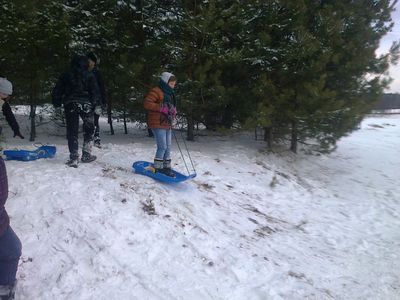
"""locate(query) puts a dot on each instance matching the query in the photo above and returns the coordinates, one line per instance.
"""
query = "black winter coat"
(77, 85)
(102, 88)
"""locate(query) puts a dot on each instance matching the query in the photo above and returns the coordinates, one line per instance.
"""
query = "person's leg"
(72, 120)
(10, 252)
(96, 131)
(167, 155)
(160, 137)
(87, 116)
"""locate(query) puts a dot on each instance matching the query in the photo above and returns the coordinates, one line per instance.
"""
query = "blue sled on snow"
(26, 155)
(147, 168)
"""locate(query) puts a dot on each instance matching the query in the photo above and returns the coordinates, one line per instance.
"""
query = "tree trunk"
(150, 132)
(32, 116)
(190, 125)
(293, 140)
(227, 117)
(268, 136)
(109, 116)
(124, 117)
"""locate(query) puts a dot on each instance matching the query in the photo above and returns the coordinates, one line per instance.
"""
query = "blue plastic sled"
(147, 168)
(26, 155)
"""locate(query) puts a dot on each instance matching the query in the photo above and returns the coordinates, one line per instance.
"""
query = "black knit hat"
(92, 57)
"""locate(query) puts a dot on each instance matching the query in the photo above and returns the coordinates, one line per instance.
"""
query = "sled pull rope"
(187, 151)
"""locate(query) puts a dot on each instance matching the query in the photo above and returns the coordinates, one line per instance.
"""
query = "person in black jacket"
(5, 93)
(78, 91)
(103, 99)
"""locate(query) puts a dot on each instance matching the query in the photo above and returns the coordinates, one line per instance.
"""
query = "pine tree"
(315, 84)
(304, 70)
(195, 48)
(28, 30)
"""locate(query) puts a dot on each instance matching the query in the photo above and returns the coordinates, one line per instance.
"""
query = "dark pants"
(10, 252)
(72, 113)
(96, 127)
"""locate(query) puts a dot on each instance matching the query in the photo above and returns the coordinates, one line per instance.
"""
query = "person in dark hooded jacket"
(10, 245)
(93, 62)
(78, 91)
(6, 90)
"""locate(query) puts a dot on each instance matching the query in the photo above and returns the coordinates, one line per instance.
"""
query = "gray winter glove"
(98, 110)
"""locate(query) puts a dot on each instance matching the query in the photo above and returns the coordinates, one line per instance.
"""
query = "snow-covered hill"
(251, 225)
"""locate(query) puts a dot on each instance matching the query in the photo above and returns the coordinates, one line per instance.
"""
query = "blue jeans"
(10, 252)
(163, 140)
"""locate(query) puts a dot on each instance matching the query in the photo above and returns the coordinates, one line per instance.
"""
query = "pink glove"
(164, 110)
(173, 111)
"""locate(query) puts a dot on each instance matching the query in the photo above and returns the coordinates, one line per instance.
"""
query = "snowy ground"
(252, 225)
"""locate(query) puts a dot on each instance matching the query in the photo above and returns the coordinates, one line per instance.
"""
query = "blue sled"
(26, 155)
(147, 168)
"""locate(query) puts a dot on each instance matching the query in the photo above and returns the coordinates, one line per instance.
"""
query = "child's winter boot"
(167, 168)
(158, 165)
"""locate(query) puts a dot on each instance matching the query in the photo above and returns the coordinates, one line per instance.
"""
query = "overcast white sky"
(385, 45)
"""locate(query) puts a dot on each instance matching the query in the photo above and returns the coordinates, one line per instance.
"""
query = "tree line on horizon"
(304, 71)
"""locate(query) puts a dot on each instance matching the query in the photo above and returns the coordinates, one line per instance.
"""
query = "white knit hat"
(165, 76)
(5, 86)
